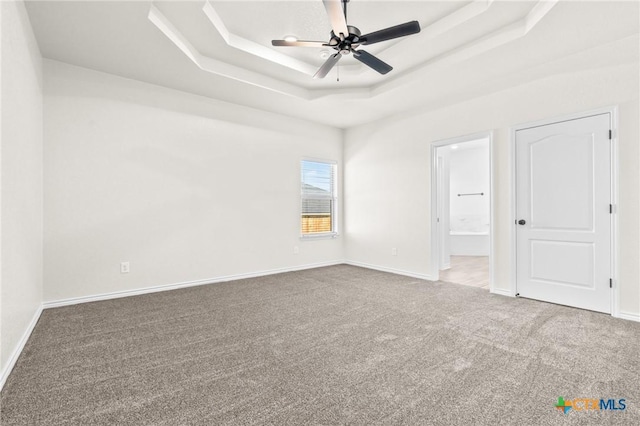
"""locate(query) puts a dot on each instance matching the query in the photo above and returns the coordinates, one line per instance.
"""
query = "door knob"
(522, 222)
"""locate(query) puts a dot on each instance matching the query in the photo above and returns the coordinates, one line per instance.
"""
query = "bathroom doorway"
(462, 199)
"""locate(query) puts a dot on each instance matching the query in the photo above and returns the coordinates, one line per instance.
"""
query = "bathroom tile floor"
(468, 270)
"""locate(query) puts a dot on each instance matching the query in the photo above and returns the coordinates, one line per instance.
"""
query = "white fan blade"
(299, 43)
(336, 16)
(327, 66)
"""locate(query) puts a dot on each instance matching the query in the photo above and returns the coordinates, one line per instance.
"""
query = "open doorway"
(462, 197)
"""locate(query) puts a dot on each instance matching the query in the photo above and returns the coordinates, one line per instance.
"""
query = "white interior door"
(563, 196)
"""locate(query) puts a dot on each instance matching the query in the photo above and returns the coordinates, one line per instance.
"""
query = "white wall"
(21, 180)
(183, 187)
(469, 170)
(387, 164)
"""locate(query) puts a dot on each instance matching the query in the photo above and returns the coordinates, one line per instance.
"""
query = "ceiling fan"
(345, 39)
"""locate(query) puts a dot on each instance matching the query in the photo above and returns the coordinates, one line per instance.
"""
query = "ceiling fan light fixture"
(346, 39)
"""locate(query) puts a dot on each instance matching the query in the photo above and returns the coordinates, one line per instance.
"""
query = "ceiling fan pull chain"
(338, 69)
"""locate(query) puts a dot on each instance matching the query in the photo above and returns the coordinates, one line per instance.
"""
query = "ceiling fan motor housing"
(350, 41)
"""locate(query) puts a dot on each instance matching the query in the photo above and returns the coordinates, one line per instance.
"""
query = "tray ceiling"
(222, 49)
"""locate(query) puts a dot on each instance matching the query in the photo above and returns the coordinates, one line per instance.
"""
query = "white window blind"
(318, 189)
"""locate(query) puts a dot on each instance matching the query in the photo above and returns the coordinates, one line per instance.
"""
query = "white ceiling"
(465, 49)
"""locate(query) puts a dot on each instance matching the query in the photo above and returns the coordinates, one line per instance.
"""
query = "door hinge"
(610, 208)
(610, 134)
(610, 282)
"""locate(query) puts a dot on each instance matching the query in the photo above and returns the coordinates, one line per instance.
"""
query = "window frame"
(334, 199)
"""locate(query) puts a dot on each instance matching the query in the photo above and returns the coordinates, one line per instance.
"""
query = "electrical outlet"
(296, 249)
(124, 267)
(394, 251)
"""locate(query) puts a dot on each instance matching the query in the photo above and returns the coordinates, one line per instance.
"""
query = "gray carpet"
(336, 345)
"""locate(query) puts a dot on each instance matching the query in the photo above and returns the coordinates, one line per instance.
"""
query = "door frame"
(435, 243)
(441, 211)
(613, 117)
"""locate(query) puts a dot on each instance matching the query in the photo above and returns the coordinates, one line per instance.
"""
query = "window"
(318, 189)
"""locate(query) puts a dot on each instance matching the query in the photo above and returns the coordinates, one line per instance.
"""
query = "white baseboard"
(11, 362)
(175, 286)
(501, 292)
(628, 316)
(391, 270)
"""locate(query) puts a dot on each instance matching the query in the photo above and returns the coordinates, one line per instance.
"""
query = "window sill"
(319, 236)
